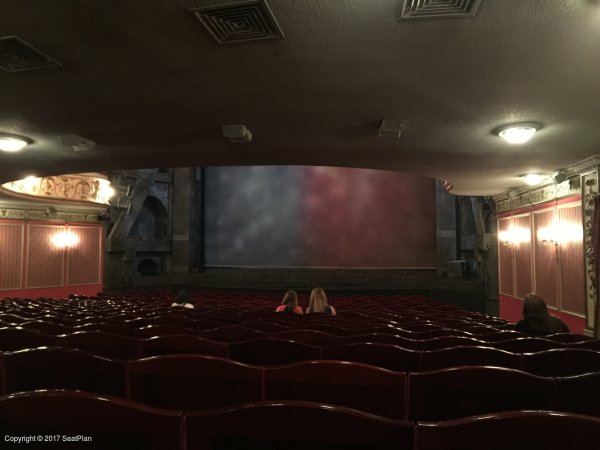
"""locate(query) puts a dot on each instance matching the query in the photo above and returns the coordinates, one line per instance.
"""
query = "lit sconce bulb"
(65, 239)
(105, 191)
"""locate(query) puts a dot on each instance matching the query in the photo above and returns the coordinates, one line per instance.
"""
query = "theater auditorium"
(418, 172)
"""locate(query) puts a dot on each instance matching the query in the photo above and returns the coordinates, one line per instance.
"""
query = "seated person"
(289, 303)
(318, 303)
(536, 320)
(183, 300)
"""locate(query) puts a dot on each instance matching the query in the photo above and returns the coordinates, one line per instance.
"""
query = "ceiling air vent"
(17, 55)
(432, 9)
(239, 22)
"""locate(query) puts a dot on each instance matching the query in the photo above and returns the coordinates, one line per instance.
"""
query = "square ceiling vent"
(17, 55)
(432, 9)
(239, 22)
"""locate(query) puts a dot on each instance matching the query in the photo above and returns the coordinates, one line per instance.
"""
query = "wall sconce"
(514, 236)
(65, 239)
(560, 233)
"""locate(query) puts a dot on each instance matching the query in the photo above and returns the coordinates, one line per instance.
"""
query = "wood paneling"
(84, 260)
(11, 255)
(45, 262)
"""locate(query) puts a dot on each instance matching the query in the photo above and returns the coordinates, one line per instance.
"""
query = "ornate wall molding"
(543, 194)
(48, 214)
(590, 191)
(86, 188)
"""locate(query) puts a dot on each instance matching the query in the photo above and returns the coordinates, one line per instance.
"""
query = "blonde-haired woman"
(318, 303)
(289, 303)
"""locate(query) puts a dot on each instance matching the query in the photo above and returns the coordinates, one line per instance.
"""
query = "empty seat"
(45, 327)
(579, 394)
(449, 341)
(234, 334)
(62, 368)
(111, 423)
(592, 344)
(464, 391)
(384, 338)
(312, 337)
(161, 330)
(103, 327)
(568, 338)
(169, 344)
(192, 382)
(527, 345)
(387, 356)
(562, 362)
(17, 338)
(469, 356)
(359, 386)
(272, 351)
(103, 344)
(295, 425)
(509, 430)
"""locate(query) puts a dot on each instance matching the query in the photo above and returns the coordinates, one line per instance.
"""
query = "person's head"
(318, 300)
(290, 299)
(534, 307)
(183, 297)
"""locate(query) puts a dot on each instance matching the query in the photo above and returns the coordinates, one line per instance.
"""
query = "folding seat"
(479, 331)
(592, 344)
(433, 333)
(355, 385)
(182, 343)
(449, 341)
(17, 338)
(527, 345)
(272, 351)
(192, 382)
(45, 327)
(579, 394)
(501, 335)
(266, 327)
(161, 330)
(384, 338)
(234, 334)
(468, 390)
(103, 327)
(562, 362)
(568, 338)
(110, 422)
(62, 368)
(509, 430)
(386, 356)
(102, 344)
(295, 425)
(312, 337)
(13, 319)
(469, 356)
(326, 327)
(200, 324)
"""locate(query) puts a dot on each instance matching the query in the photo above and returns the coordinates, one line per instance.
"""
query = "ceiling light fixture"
(533, 179)
(13, 143)
(518, 133)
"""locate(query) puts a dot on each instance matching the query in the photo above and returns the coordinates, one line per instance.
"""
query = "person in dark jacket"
(536, 319)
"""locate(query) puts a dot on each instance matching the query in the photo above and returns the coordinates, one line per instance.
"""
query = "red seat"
(464, 391)
(161, 330)
(169, 344)
(535, 430)
(359, 386)
(45, 327)
(387, 356)
(234, 334)
(17, 338)
(111, 423)
(384, 338)
(469, 356)
(568, 338)
(62, 368)
(579, 394)
(192, 382)
(593, 344)
(501, 335)
(312, 337)
(104, 328)
(103, 344)
(295, 425)
(527, 345)
(450, 341)
(272, 352)
(562, 362)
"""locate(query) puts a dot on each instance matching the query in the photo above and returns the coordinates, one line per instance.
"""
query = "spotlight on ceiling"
(533, 179)
(518, 133)
(13, 143)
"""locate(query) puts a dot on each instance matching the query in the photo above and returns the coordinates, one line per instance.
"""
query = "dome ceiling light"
(518, 133)
(533, 179)
(13, 143)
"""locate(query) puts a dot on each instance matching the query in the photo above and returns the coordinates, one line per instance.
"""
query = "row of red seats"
(184, 381)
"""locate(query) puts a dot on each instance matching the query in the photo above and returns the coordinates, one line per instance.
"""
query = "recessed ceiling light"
(12, 143)
(533, 179)
(518, 133)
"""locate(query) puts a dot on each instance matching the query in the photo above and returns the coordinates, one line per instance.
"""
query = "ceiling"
(150, 86)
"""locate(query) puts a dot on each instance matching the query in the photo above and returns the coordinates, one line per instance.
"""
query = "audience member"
(318, 303)
(183, 300)
(289, 303)
(536, 319)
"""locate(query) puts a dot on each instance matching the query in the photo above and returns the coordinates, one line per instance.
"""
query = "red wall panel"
(571, 260)
(11, 255)
(523, 258)
(505, 260)
(85, 259)
(546, 264)
(45, 262)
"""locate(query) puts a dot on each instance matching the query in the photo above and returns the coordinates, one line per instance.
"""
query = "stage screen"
(318, 217)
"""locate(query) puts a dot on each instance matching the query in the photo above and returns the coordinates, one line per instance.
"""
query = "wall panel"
(523, 257)
(11, 255)
(45, 262)
(546, 263)
(505, 256)
(571, 261)
(85, 259)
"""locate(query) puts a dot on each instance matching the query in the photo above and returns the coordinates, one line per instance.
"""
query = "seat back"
(111, 423)
(102, 344)
(387, 356)
(509, 430)
(295, 425)
(469, 356)
(355, 385)
(527, 345)
(449, 341)
(384, 338)
(579, 394)
(16, 338)
(62, 368)
(182, 343)
(562, 362)
(234, 334)
(469, 390)
(192, 382)
(312, 337)
(272, 352)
